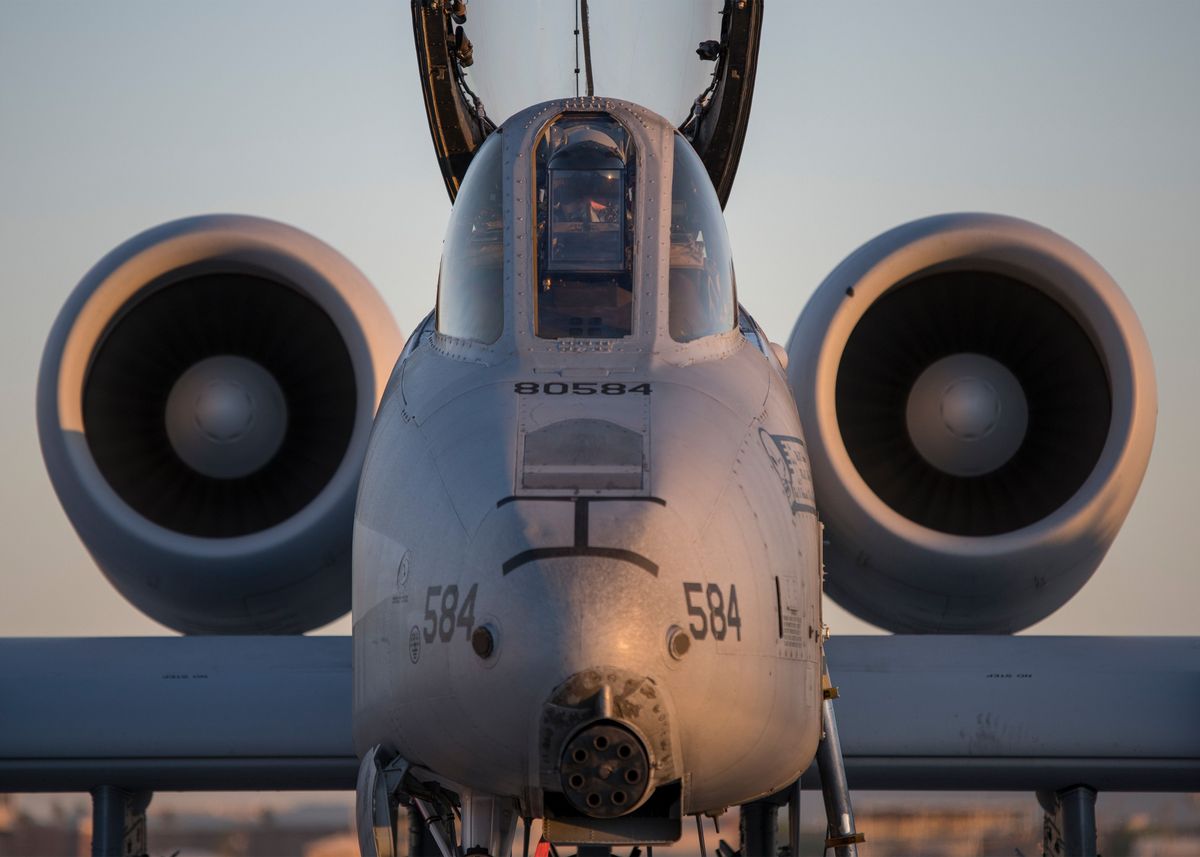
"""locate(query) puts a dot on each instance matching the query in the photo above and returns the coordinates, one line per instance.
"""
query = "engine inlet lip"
(164, 256)
(118, 535)
(973, 242)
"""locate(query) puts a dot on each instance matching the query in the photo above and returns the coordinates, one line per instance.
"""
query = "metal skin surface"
(581, 630)
(911, 578)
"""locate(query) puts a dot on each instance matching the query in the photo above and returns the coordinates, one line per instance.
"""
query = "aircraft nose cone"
(226, 417)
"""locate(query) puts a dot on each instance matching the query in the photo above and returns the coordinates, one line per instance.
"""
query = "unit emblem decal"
(791, 466)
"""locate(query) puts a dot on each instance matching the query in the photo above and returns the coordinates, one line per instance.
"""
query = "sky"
(1081, 116)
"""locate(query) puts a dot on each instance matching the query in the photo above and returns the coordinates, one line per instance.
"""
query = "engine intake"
(979, 401)
(204, 403)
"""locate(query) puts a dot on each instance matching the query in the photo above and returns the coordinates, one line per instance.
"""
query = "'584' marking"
(579, 388)
(440, 624)
(712, 613)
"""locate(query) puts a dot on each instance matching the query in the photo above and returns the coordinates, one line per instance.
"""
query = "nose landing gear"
(488, 823)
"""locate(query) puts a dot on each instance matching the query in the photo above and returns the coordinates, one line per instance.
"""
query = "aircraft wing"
(919, 712)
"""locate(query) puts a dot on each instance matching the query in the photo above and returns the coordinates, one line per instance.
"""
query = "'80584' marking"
(579, 388)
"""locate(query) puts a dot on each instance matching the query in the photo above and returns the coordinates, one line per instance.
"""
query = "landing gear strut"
(840, 833)
(758, 826)
(488, 823)
(119, 822)
(1069, 829)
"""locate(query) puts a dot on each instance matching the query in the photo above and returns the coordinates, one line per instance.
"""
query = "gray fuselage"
(555, 532)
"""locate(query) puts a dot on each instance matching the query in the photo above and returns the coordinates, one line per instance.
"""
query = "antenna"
(582, 12)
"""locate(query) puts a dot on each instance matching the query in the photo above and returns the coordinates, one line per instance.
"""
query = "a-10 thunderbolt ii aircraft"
(587, 557)
(618, 523)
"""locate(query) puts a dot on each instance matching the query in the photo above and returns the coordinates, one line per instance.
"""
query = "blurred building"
(23, 836)
(952, 832)
(1165, 845)
(948, 825)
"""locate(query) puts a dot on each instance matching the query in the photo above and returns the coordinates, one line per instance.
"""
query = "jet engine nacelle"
(204, 403)
(979, 402)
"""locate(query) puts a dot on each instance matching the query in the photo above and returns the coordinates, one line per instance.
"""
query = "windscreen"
(702, 300)
(584, 213)
(471, 283)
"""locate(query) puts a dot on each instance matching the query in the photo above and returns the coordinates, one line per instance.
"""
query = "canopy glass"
(692, 61)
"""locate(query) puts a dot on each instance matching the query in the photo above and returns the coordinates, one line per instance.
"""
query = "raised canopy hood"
(693, 62)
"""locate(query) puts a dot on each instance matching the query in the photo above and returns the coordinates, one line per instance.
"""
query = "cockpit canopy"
(701, 299)
(589, 201)
(470, 301)
(483, 60)
(586, 176)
